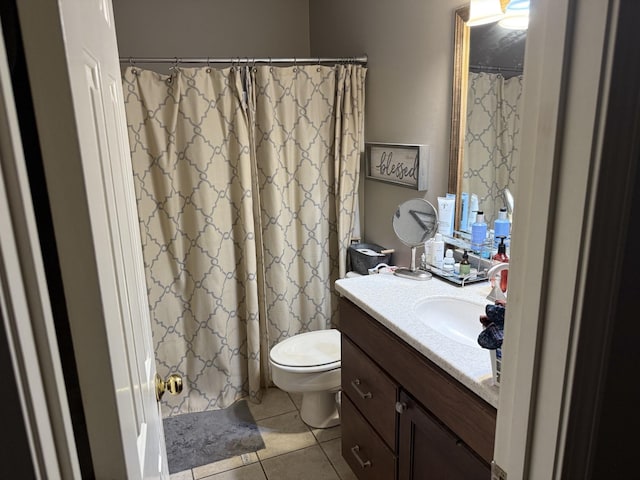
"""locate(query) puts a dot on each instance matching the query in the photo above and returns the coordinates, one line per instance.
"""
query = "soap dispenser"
(501, 257)
(501, 228)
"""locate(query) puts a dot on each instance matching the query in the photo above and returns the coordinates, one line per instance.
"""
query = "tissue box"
(360, 257)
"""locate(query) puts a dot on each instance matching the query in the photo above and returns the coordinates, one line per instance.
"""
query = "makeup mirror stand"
(414, 222)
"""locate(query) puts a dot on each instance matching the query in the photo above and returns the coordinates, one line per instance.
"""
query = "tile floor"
(293, 451)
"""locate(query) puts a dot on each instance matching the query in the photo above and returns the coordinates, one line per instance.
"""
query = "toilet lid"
(312, 349)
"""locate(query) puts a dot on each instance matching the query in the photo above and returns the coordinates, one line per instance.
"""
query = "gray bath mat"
(196, 439)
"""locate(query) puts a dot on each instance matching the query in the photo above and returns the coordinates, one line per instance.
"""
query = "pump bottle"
(479, 234)
(501, 228)
(501, 257)
(465, 266)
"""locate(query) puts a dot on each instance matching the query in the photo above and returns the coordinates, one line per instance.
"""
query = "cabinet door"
(429, 450)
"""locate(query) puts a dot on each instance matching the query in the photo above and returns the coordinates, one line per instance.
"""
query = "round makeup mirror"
(415, 222)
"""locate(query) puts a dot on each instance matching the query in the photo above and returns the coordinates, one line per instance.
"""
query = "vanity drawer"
(363, 449)
(370, 390)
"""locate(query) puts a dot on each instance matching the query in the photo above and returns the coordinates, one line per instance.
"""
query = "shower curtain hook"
(270, 64)
(132, 65)
(208, 65)
(174, 67)
(295, 64)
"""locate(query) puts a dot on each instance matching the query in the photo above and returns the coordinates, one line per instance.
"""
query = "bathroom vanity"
(416, 404)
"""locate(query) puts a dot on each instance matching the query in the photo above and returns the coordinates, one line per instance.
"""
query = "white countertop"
(390, 300)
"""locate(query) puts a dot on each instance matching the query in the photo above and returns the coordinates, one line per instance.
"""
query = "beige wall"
(409, 44)
(214, 28)
(408, 98)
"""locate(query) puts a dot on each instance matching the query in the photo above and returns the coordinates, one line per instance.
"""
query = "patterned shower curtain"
(491, 154)
(236, 175)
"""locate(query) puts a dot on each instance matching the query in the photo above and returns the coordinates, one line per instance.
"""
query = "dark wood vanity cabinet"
(402, 416)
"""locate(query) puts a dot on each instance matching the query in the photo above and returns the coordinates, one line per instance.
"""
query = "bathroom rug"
(195, 439)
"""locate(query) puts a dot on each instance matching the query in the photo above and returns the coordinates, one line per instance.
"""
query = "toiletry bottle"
(428, 252)
(478, 233)
(448, 263)
(501, 257)
(501, 228)
(465, 266)
(437, 251)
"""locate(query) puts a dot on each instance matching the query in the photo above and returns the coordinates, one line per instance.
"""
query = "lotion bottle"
(437, 251)
(428, 252)
(478, 233)
(501, 257)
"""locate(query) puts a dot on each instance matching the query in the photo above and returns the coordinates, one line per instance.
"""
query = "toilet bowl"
(309, 363)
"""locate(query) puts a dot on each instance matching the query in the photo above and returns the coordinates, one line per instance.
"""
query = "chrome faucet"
(496, 291)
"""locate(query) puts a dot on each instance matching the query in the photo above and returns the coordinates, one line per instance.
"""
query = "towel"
(492, 335)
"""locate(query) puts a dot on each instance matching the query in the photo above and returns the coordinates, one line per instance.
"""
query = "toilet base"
(319, 409)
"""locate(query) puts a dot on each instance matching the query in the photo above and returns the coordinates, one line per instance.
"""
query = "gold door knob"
(173, 385)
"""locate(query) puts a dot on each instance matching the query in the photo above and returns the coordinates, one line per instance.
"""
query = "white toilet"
(309, 363)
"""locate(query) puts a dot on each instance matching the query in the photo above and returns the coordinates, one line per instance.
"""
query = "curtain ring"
(318, 69)
(208, 66)
(295, 64)
(132, 65)
(270, 64)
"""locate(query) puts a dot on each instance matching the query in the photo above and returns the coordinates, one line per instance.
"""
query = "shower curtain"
(491, 154)
(246, 184)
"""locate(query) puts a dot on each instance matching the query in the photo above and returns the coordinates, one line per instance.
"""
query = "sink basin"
(453, 317)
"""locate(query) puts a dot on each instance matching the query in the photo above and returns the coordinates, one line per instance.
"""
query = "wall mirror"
(485, 118)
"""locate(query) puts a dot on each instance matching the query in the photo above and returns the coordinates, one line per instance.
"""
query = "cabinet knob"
(356, 386)
(401, 407)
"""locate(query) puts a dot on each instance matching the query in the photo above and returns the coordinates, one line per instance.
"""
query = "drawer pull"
(354, 384)
(354, 450)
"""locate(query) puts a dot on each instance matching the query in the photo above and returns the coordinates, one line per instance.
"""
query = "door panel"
(75, 74)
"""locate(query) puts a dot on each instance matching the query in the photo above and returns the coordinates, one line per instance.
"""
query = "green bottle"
(465, 266)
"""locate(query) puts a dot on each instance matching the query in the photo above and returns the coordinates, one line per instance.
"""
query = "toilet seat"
(309, 352)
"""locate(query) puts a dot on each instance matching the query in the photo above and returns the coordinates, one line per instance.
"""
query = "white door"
(73, 65)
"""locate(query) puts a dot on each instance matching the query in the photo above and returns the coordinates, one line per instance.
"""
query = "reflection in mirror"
(414, 222)
(485, 134)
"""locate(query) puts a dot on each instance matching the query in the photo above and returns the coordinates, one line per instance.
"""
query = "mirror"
(485, 118)
(414, 222)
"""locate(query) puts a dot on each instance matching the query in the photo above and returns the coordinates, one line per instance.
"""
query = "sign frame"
(398, 164)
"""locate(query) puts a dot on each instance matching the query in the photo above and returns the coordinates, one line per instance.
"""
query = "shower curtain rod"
(244, 60)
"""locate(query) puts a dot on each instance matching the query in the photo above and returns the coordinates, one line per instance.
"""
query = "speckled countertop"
(391, 300)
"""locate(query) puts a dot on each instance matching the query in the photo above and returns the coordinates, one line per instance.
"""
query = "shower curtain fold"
(246, 182)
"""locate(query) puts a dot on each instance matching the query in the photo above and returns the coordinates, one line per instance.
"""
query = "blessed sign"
(404, 165)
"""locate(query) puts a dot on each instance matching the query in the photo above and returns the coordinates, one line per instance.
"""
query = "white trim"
(25, 306)
(561, 107)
